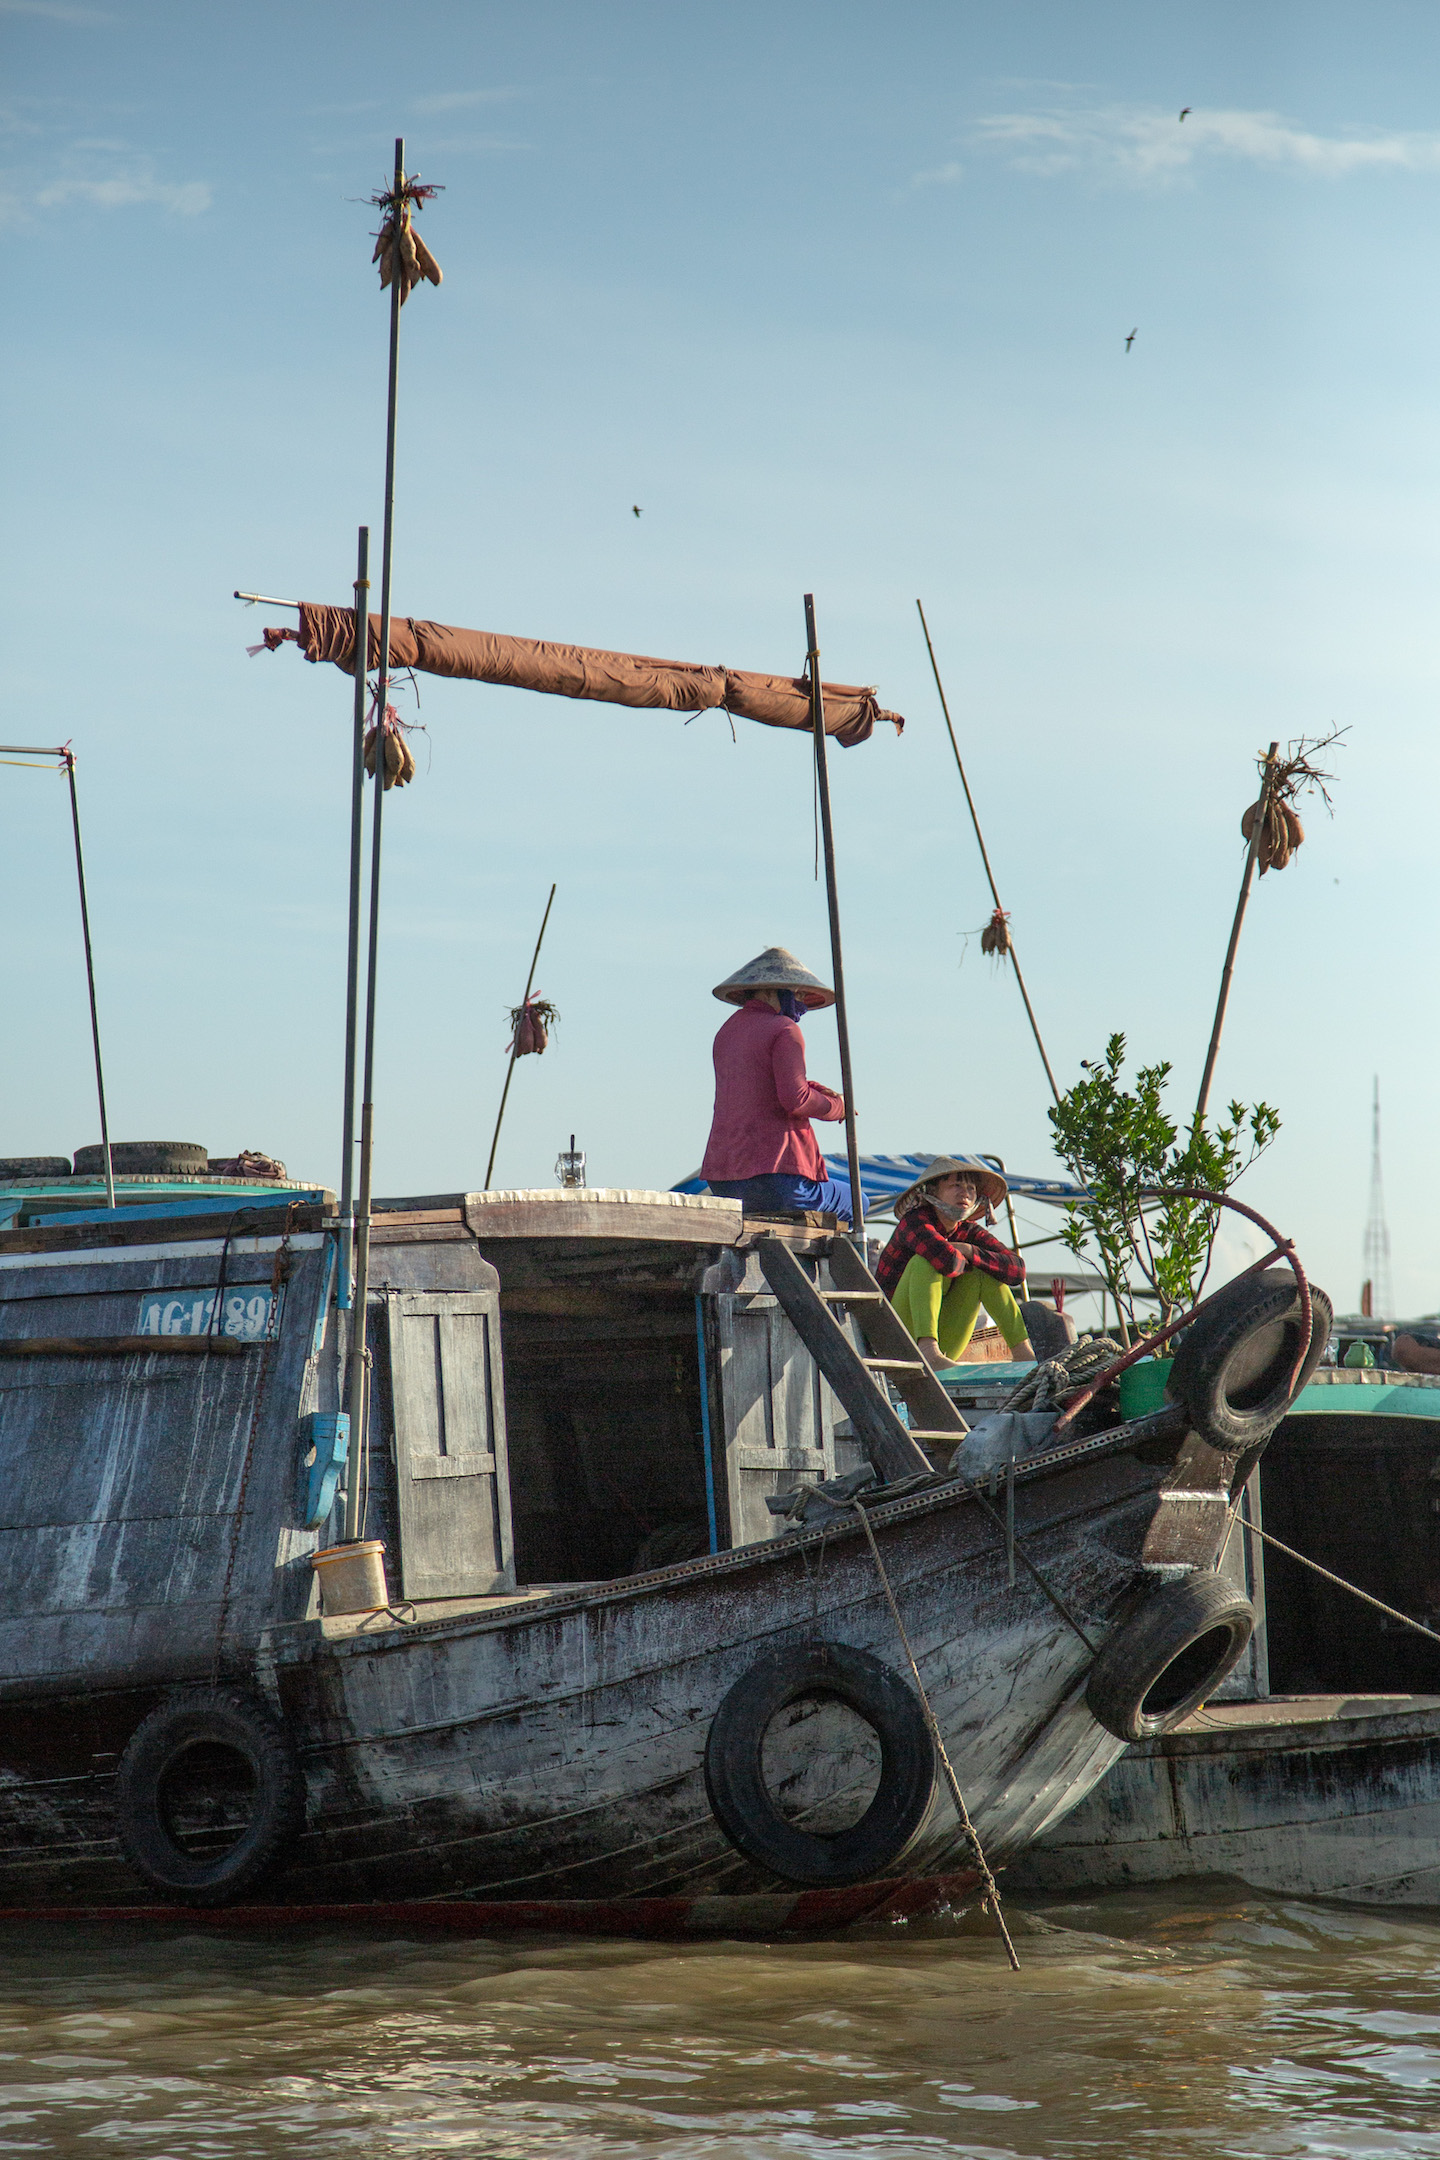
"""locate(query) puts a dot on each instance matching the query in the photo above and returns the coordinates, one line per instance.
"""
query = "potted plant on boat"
(1120, 1145)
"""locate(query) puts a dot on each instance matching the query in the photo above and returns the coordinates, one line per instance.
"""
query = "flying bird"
(636, 508)
(1185, 109)
(1131, 339)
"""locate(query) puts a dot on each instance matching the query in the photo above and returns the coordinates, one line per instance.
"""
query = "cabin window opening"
(607, 1470)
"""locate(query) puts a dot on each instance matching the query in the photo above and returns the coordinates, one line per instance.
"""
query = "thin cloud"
(99, 183)
(469, 145)
(938, 176)
(121, 191)
(60, 11)
(460, 100)
(1144, 145)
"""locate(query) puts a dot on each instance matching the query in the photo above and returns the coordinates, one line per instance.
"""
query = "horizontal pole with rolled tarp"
(577, 671)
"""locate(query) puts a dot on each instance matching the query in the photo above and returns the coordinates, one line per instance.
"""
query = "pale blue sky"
(838, 294)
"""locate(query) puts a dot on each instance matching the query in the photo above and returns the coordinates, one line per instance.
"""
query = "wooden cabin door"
(780, 1415)
(451, 1475)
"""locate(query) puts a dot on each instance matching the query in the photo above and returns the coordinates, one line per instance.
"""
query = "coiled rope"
(1069, 1368)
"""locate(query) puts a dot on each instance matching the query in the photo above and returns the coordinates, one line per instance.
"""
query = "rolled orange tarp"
(578, 671)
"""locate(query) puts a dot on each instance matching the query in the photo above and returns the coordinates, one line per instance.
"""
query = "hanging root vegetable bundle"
(995, 937)
(1281, 835)
(1282, 832)
(530, 1025)
(399, 758)
(401, 253)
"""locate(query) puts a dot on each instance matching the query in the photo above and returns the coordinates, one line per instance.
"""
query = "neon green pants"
(947, 1306)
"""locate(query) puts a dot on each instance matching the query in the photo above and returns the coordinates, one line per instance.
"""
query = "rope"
(1416, 1627)
(1069, 1368)
(990, 1897)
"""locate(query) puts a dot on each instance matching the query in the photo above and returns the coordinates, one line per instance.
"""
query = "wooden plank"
(451, 1485)
(393, 1218)
(582, 1301)
(28, 1346)
(409, 1233)
(893, 1452)
(650, 1217)
(166, 1229)
(790, 1458)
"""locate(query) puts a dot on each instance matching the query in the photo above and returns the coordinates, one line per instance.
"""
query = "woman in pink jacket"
(761, 1150)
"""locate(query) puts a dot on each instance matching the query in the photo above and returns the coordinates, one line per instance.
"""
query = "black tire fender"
(1169, 1655)
(1232, 1370)
(742, 1803)
(236, 1725)
(144, 1158)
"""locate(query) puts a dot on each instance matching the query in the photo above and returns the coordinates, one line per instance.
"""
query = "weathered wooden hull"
(544, 1747)
(1321, 1796)
(554, 1750)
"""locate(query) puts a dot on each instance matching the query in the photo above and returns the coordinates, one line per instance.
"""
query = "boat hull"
(553, 1749)
(1321, 1796)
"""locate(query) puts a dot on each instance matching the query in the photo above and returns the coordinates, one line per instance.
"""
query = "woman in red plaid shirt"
(940, 1266)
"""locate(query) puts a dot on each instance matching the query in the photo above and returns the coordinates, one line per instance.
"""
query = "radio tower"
(1375, 1293)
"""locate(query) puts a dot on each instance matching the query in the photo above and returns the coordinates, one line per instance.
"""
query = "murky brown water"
(1208, 2022)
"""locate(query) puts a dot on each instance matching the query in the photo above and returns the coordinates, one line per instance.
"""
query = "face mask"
(790, 1005)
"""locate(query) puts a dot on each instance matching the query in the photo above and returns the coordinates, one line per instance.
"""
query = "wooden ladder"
(897, 1450)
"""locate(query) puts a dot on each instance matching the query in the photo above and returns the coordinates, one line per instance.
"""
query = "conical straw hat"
(774, 969)
(991, 1187)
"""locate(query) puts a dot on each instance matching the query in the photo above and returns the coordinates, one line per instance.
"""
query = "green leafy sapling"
(1123, 1149)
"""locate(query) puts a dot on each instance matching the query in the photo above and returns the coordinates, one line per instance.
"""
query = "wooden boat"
(1330, 1785)
(604, 1684)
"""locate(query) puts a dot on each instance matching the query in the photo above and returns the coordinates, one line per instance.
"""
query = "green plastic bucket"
(1142, 1386)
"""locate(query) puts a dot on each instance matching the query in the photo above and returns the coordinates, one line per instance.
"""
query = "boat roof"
(26, 1202)
(596, 1214)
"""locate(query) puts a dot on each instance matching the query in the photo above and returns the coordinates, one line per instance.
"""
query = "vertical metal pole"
(352, 968)
(984, 853)
(69, 757)
(509, 1070)
(827, 837)
(358, 1401)
(707, 1447)
(1229, 968)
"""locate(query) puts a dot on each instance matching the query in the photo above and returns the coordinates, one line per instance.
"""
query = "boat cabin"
(568, 1387)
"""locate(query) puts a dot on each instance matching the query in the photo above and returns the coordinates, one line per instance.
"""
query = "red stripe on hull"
(797, 1913)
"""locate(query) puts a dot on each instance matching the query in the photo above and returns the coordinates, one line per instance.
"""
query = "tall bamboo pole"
(842, 1025)
(1263, 804)
(67, 763)
(69, 757)
(358, 1395)
(984, 852)
(352, 968)
(514, 1047)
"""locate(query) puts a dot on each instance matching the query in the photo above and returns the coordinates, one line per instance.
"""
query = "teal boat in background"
(1320, 1774)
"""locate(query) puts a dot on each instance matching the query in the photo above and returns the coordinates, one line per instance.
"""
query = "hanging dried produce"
(399, 759)
(1292, 775)
(1282, 834)
(530, 1025)
(995, 937)
(399, 249)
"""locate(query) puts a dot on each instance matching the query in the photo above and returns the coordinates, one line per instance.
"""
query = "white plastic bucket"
(352, 1577)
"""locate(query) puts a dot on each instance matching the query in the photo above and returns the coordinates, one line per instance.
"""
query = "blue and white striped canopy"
(884, 1177)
